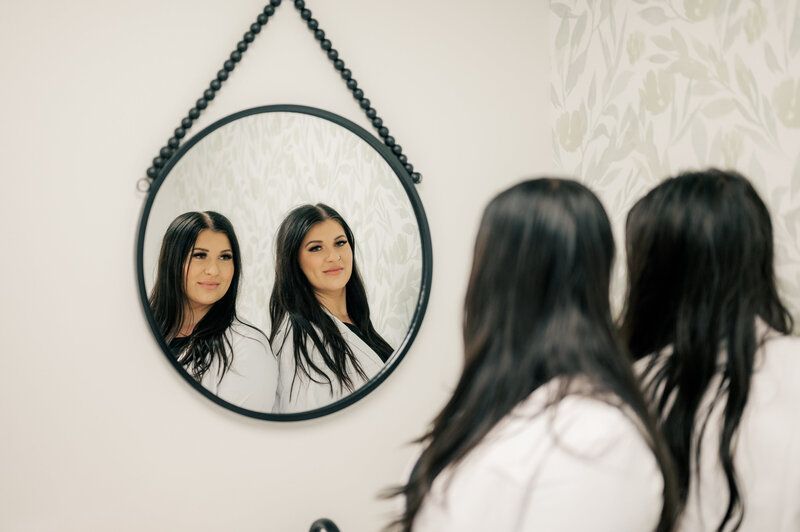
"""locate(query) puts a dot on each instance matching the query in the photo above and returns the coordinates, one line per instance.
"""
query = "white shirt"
(580, 466)
(297, 393)
(252, 378)
(767, 454)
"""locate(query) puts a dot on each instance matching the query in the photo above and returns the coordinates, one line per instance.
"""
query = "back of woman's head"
(700, 258)
(539, 281)
(168, 299)
(536, 309)
(700, 265)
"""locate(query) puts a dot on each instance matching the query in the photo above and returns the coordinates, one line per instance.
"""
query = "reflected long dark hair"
(700, 265)
(168, 301)
(536, 309)
(293, 304)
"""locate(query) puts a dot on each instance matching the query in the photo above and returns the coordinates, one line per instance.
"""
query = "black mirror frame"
(425, 240)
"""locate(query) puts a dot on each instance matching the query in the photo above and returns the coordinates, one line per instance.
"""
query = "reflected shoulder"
(243, 333)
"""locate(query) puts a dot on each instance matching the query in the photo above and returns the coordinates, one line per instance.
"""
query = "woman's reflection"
(194, 304)
(322, 334)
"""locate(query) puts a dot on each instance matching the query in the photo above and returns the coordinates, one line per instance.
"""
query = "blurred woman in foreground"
(547, 428)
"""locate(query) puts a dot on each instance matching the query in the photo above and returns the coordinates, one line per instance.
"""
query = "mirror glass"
(288, 214)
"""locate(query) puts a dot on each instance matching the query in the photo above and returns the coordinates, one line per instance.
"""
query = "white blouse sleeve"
(295, 391)
(252, 379)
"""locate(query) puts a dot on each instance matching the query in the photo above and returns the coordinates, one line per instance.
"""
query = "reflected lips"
(334, 271)
(209, 286)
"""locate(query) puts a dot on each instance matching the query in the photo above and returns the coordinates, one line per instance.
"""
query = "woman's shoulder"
(783, 349)
(577, 463)
(581, 425)
(283, 333)
(777, 368)
(595, 424)
(287, 324)
(244, 335)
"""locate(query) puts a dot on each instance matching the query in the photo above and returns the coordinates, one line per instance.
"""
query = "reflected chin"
(332, 283)
(206, 297)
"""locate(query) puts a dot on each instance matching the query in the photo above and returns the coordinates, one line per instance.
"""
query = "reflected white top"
(581, 465)
(252, 378)
(296, 392)
(767, 455)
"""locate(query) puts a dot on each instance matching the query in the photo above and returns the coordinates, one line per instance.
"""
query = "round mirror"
(284, 262)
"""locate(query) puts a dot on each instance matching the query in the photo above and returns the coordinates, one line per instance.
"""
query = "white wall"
(99, 432)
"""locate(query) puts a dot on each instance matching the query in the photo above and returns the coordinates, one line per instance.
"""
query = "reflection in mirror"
(285, 262)
(193, 301)
(322, 332)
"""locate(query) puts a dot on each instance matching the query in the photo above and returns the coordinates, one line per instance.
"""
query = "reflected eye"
(199, 255)
(315, 248)
(226, 256)
(340, 243)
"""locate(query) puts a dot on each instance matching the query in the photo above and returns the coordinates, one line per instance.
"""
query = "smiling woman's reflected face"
(209, 270)
(326, 257)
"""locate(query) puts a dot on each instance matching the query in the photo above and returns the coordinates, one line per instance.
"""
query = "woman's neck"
(335, 303)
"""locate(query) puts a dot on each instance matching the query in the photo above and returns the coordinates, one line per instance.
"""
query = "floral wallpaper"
(643, 89)
(254, 170)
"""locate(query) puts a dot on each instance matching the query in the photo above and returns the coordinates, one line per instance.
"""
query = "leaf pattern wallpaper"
(644, 89)
(254, 170)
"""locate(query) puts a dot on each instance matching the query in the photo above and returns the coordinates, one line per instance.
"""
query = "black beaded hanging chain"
(358, 94)
(174, 142)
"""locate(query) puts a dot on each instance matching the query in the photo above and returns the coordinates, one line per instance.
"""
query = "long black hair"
(207, 342)
(700, 266)
(294, 303)
(536, 309)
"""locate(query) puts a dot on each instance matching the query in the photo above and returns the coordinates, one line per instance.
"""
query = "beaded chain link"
(167, 151)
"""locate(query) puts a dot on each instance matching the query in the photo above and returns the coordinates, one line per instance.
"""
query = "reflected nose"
(211, 268)
(334, 255)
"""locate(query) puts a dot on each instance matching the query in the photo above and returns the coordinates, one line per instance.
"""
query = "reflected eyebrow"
(204, 249)
(321, 242)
